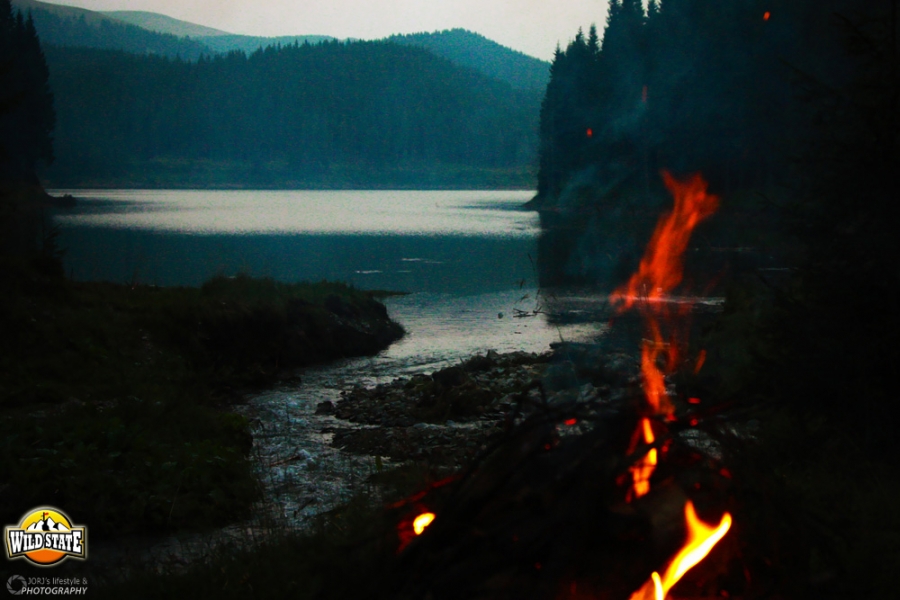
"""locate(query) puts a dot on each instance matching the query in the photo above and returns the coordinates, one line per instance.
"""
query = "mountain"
(216, 40)
(469, 49)
(142, 32)
(47, 525)
(59, 25)
(163, 24)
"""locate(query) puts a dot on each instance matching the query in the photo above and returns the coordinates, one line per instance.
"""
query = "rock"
(479, 363)
(449, 377)
(325, 408)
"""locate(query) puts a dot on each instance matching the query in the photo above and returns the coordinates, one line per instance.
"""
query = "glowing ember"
(701, 540)
(589, 132)
(701, 359)
(422, 521)
(642, 470)
(766, 15)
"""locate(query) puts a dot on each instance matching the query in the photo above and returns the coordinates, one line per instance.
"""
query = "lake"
(464, 256)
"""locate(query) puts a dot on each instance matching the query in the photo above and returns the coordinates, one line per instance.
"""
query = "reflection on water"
(449, 264)
(441, 242)
(405, 212)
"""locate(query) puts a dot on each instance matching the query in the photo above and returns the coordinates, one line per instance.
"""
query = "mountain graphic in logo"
(47, 524)
(45, 536)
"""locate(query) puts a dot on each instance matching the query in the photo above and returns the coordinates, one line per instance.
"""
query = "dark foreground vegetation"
(115, 398)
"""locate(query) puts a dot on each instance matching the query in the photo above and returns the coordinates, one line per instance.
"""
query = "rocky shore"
(445, 419)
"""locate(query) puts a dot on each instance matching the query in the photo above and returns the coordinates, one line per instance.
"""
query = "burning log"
(545, 512)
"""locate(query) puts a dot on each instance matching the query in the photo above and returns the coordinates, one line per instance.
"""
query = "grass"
(114, 399)
(346, 552)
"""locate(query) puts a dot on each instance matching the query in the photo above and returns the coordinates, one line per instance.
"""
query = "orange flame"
(422, 521)
(701, 540)
(661, 267)
(766, 15)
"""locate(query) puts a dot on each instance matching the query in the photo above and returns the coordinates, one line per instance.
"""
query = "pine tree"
(569, 114)
(27, 126)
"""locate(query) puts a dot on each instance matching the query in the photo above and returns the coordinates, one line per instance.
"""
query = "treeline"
(735, 90)
(27, 117)
(296, 114)
(685, 85)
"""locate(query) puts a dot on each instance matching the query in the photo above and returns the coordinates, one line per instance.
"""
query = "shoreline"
(131, 390)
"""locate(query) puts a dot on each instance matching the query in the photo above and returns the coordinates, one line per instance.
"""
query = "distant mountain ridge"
(59, 25)
(216, 40)
(163, 24)
(144, 32)
(472, 50)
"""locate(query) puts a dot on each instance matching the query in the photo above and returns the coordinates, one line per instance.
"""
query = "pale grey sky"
(531, 26)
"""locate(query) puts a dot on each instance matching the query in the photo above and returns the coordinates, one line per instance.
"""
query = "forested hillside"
(334, 114)
(486, 56)
(736, 90)
(790, 110)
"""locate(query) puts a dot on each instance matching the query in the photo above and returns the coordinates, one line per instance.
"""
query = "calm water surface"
(436, 241)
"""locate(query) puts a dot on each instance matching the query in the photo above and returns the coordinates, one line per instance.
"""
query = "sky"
(530, 26)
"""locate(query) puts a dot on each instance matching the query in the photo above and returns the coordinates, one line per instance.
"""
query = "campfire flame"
(662, 268)
(422, 521)
(660, 271)
(701, 539)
